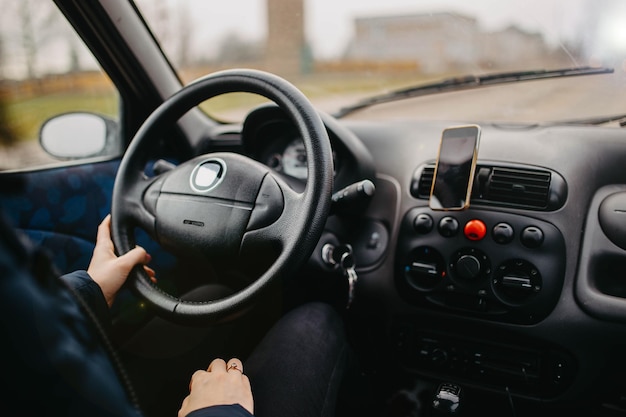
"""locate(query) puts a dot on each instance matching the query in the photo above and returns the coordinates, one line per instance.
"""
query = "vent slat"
(426, 181)
(517, 174)
(525, 183)
(527, 188)
(518, 189)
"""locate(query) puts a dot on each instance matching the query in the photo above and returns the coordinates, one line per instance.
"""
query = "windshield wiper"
(469, 82)
(594, 121)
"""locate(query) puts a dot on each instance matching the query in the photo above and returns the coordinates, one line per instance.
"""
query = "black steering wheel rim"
(301, 222)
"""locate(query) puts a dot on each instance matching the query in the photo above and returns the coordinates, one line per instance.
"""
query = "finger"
(195, 376)
(151, 273)
(249, 405)
(183, 406)
(104, 229)
(246, 382)
(235, 365)
(217, 365)
(135, 256)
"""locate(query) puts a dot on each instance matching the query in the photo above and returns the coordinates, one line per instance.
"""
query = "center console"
(497, 266)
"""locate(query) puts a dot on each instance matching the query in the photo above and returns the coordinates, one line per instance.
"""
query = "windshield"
(341, 52)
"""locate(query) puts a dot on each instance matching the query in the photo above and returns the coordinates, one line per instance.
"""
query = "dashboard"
(487, 310)
(520, 293)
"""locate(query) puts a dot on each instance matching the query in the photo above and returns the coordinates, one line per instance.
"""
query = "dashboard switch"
(532, 237)
(423, 223)
(475, 229)
(468, 267)
(470, 264)
(515, 281)
(448, 226)
(423, 268)
(353, 198)
(503, 233)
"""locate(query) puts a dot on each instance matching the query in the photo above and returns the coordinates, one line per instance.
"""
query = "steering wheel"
(222, 205)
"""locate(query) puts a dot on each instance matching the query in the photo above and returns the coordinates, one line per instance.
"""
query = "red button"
(475, 229)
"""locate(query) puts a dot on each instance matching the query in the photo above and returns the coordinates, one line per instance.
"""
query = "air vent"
(422, 181)
(512, 186)
(528, 188)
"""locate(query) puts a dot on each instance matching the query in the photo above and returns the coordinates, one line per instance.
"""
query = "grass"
(25, 116)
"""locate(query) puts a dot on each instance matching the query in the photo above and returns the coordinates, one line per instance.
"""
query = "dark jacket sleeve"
(87, 289)
(53, 357)
(234, 410)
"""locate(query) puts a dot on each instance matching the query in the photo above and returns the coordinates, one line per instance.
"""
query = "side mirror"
(79, 135)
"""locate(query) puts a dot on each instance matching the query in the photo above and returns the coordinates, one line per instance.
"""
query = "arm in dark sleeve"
(234, 410)
(87, 289)
(50, 348)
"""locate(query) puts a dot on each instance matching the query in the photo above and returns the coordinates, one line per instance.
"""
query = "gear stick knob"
(447, 399)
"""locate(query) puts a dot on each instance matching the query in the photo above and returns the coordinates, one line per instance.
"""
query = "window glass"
(45, 71)
(342, 52)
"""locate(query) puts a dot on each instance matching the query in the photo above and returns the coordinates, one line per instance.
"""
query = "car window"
(45, 72)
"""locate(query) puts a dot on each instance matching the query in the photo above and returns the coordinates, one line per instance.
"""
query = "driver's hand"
(223, 383)
(107, 269)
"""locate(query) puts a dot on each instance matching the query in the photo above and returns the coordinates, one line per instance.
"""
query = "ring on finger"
(234, 366)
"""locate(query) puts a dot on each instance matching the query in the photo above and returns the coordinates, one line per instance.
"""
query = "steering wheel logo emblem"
(207, 175)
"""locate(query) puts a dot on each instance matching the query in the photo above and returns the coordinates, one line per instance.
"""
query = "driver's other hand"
(223, 383)
(110, 271)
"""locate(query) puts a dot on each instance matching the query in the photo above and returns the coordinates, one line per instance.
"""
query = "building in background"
(442, 42)
(286, 50)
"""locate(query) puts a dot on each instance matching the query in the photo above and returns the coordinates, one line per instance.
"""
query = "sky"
(329, 23)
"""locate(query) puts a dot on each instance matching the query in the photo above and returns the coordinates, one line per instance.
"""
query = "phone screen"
(455, 167)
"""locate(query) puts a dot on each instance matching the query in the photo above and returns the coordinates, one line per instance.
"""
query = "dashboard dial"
(294, 161)
(291, 159)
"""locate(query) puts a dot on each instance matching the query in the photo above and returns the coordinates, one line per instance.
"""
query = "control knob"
(470, 264)
(467, 267)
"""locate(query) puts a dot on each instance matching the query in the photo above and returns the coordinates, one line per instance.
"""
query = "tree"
(234, 49)
(38, 26)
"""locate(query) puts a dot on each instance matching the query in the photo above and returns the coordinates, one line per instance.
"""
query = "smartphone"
(454, 171)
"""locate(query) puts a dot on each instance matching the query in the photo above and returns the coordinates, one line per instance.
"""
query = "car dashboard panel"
(506, 292)
(501, 295)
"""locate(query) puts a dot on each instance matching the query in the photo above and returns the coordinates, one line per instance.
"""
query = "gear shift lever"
(447, 400)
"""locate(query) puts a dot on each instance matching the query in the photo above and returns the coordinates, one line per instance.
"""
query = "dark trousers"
(297, 368)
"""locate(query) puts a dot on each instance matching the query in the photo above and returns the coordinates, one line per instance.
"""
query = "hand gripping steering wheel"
(223, 204)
